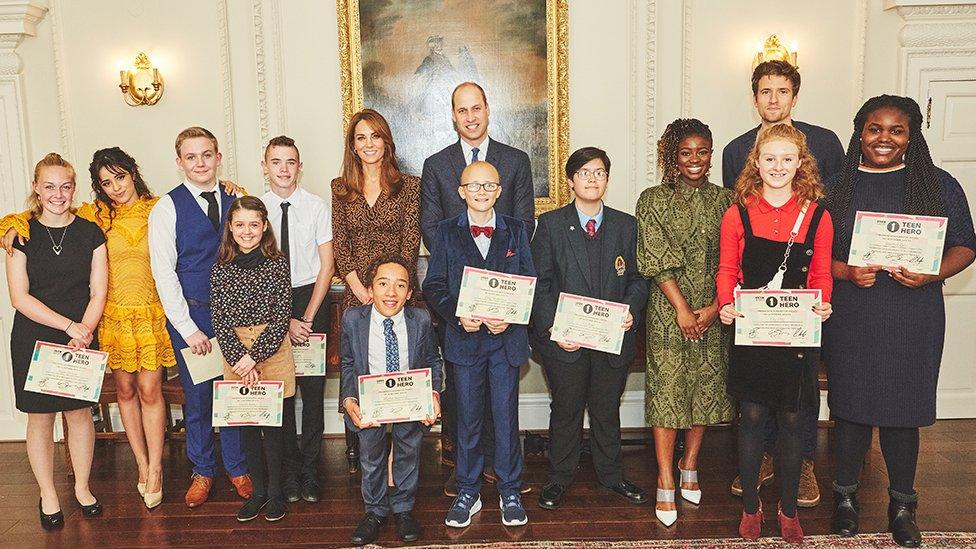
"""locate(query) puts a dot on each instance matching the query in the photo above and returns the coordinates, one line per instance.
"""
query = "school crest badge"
(620, 265)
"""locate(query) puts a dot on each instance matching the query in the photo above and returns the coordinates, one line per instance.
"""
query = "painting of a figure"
(413, 53)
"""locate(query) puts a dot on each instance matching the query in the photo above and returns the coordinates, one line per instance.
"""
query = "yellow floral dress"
(133, 327)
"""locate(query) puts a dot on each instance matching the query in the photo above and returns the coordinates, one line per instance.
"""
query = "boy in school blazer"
(379, 338)
(486, 354)
(586, 248)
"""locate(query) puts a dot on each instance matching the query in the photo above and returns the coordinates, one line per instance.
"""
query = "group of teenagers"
(148, 278)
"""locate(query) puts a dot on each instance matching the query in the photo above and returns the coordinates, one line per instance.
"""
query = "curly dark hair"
(116, 161)
(667, 146)
(383, 260)
(923, 195)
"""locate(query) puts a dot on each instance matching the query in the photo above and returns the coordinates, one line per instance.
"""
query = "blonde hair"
(806, 182)
(195, 131)
(49, 160)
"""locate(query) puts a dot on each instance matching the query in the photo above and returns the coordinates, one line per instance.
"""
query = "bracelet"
(68, 327)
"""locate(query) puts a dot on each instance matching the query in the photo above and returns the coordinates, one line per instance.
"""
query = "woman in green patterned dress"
(687, 351)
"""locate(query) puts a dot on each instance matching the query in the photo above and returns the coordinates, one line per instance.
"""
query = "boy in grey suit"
(379, 338)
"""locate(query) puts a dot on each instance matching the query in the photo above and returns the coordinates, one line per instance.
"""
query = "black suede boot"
(845, 519)
(901, 520)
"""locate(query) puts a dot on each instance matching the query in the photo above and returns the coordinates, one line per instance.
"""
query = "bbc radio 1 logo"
(390, 383)
(893, 226)
(771, 302)
(492, 282)
(588, 309)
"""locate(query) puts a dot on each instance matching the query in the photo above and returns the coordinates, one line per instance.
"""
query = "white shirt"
(309, 226)
(482, 241)
(377, 341)
(482, 150)
(162, 257)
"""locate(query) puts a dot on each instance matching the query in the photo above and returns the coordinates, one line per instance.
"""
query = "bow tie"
(476, 231)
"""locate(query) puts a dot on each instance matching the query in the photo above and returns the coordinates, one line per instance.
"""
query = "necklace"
(56, 247)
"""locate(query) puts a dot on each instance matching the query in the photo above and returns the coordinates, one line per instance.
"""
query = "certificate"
(488, 295)
(396, 397)
(589, 322)
(310, 356)
(204, 367)
(58, 370)
(914, 242)
(777, 318)
(236, 404)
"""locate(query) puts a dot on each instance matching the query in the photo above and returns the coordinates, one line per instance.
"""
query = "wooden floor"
(946, 482)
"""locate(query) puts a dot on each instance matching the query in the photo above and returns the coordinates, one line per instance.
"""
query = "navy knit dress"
(883, 344)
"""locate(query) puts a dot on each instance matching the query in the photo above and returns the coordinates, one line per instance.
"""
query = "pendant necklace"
(56, 247)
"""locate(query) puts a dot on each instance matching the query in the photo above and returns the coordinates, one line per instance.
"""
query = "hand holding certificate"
(62, 371)
(590, 323)
(914, 242)
(780, 318)
(396, 397)
(236, 404)
(310, 356)
(489, 295)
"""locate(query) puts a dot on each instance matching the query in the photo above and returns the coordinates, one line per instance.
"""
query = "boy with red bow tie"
(487, 354)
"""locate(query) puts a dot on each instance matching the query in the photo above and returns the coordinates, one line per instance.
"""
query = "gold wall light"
(774, 50)
(141, 84)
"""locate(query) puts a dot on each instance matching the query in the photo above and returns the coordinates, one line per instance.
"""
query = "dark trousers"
(266, 466)
(809, 416)
(491, 379)
(587, 384)
(379, 498)
(449, 420)
(302, 456)
(198, 411)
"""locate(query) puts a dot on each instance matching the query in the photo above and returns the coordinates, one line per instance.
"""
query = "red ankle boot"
(750, 527)
(790, 528)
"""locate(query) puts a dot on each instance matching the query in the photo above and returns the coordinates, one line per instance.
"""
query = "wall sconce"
(142, 84)
(774, 50)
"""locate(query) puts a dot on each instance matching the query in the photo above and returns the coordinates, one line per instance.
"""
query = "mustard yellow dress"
(133, 327)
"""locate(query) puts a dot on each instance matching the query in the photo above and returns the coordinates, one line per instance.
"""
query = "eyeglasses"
(488, 186)
(599, 174)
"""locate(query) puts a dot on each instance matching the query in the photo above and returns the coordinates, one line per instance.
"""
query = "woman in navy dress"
(884, 347)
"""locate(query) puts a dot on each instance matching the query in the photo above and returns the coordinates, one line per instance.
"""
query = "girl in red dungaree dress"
(763, 244)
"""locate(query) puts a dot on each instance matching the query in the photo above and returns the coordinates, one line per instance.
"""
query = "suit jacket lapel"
(458, 162)
(574, 233)
(498, 248)
(413, 333)
(493, 156)
(362, 332)
(610, 250)
(469, 250)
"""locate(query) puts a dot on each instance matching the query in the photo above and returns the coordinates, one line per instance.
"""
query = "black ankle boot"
(845, 519)
(901, 523)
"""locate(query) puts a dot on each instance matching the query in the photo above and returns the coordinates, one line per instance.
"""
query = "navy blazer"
(441, 177)
(354, 362)
(454, 249)
(559, 253)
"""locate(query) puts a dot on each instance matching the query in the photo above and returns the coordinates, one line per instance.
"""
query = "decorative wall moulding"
(911, 10)
(938, 35)
(21, 16)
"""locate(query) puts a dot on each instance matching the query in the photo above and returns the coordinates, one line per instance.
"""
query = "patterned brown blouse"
(362, 233)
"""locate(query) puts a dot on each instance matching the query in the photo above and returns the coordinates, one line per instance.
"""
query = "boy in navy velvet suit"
(486, 354)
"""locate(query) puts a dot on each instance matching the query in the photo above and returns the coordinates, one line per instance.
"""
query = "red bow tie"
(476, 231)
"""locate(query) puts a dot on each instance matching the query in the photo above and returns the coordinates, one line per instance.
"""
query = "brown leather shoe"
(199, 490)
(809, 493)
(242, 485)
(765, 476)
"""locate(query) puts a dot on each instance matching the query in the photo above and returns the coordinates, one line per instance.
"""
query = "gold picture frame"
(412, 21)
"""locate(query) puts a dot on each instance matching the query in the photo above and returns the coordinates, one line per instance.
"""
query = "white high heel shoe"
(667, 518)
(688, 477)
(153, 499)
(141, 486)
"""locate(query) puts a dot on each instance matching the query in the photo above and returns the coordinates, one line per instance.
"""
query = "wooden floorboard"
(946, 483)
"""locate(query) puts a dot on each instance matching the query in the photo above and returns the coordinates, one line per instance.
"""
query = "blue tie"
(474, 154)
(392, 349)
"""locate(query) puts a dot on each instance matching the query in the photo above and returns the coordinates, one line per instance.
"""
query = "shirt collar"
(377, 317)
(195, 191)
(789, 207)
(482, 149)
(271, 199)
(490, 223)
(583, 218)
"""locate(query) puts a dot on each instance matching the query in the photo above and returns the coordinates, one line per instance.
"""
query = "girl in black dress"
(58, 282)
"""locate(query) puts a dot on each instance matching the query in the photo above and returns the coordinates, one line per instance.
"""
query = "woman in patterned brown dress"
(375, 208)
(687, 353)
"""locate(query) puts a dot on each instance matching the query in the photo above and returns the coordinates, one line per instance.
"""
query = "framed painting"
(403, 58)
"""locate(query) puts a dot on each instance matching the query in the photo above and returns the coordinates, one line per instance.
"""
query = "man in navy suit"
(439, 200)
(376, 339)
(486, 354)
(586, 248)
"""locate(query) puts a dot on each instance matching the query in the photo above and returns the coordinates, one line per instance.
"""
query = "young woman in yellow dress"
(133, 327)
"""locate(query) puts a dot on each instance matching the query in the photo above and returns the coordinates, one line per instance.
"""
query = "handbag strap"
(793, 233)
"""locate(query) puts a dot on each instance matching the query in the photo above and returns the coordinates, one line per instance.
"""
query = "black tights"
(265, 466)
(899, 446)
(752, 429)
